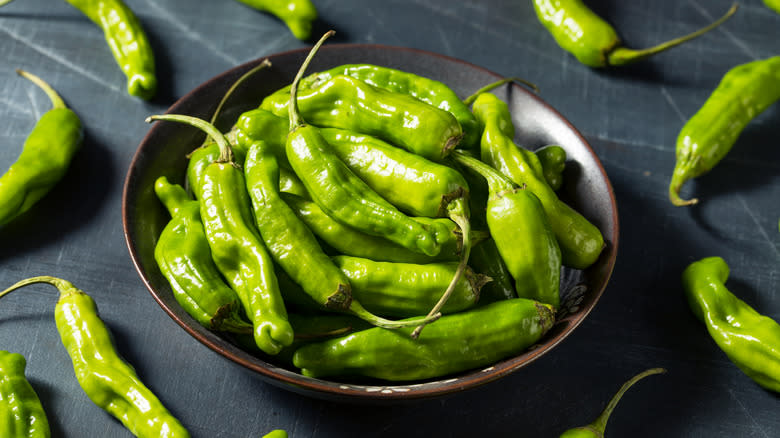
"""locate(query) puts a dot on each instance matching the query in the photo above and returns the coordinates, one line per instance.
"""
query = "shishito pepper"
(455, 343)
(45, 158)
(749, 339)
(236, 247)
(110, 382)
(21, 412)
(744, 92)
(553, 160)
(773, 5)
(298, 15)
(183, 255)
(593, 41)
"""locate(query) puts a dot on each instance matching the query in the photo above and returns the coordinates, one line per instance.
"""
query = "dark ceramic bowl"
(163, 151)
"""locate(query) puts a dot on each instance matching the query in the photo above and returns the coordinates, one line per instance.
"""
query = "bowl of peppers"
(364, 222)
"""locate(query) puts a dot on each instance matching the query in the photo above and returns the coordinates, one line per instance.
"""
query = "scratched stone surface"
(631, 117)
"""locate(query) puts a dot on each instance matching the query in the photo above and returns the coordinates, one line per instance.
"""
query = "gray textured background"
(630, 116)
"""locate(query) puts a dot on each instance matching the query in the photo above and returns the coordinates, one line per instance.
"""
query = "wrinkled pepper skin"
(553, 161)
(414, 184)
(749, 339)
(291, 244)
(21, 412)
(127, 40)
(593, 41)
(486, 260)
(349, 241)
(425, 89)
(110, 382)
(348, 103)
(405, 289)
(46, 156)
(743, 93)
(298, 15)
(455, 343)
(259, 124)
(183, 255)
(580, 241)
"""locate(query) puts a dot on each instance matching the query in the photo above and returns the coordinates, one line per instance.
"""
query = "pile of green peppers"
(325, 215)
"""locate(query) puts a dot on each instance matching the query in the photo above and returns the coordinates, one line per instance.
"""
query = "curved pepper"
(348, 103)
(126, 39)
(45, 158)
(298, 15)
(580, 241)
(455, 343)
(236, 248)
(110, 382)
(749, 339)
(183, 255)
(405, 289)
(597, 427)
(581, 32)
(744, 92)
(21, 412)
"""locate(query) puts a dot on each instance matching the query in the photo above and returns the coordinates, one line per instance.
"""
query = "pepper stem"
(674, 191)
(56, 100)
(295, 115)
(61, 285)
(600, 424)
(458, 212)
(225, 151)
(469, 100)
(358, 310)
(496, 181)
(622, 56)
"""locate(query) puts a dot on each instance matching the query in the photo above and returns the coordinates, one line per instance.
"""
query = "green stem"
(469, 100)
(496, 181)
(458, 212)
(59, 283)
(622, 56)
(600, 424)
(225, 151)
(295, 115)
(56, 100)
(358, 310)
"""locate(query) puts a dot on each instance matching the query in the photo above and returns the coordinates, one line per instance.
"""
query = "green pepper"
(773, 5)
(110, 382)
(406, 289)
(127, 41)
(259, 124)
(744, 92)
(580, 241)
(749, 339)
(578, 30)
(553, 161)
(522, 234)
(278, 433)
(21, 412)
(45, 158)
(597, 427)
(486, 259)
(455, 343)
(400, 119)
(298, 15)
(236, 247)
(183, 255)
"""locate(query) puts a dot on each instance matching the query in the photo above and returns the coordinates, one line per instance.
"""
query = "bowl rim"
(391, 391)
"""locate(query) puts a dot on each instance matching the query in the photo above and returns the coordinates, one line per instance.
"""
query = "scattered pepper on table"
(298, 15)
(21, 412)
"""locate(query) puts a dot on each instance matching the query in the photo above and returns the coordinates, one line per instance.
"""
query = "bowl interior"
(163, 150)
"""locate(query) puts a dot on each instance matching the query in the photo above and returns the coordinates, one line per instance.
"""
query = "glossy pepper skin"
(349, 241)
(298, 15)
(404, 289)
(127, 40)
(593, 41)
(236, 247)
(597, 427)
(580, 241)
(21, 412)
(749, 339)
(522, 233)
(744, 92)
(46, 156)
(486, 260)
(183, 255)
(455, 343)
(291, 244)
(110, 382)
(259, 124)
(428, 90)
(553, 161)
(348, 103)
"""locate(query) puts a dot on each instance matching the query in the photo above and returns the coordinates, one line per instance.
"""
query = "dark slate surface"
(631, 117)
